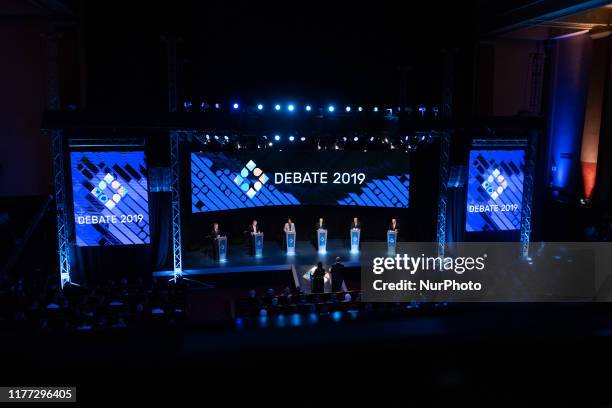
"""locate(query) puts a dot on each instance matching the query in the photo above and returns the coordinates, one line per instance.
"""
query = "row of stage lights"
(329, 109)
(355, 142)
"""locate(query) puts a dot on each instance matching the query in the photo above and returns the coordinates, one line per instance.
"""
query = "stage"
(274, 262)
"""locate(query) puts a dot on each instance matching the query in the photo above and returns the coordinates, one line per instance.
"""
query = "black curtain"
(455, 214)
(99, 264)
(160, 216)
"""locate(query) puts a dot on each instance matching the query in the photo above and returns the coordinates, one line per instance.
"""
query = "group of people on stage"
(289, 226)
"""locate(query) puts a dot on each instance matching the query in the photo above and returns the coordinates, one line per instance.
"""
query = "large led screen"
(229, 181)
(110, 195)
(495, 190)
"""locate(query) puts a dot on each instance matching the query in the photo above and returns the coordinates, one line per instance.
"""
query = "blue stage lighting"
(290, 108)
(277, 107)
(270, 144)
(376, 109)
(187, 105)
(235, 106)
(217, 106)
(291, 138)
(302, 138)
(348, 109)
(277, 137)
(360, 109)
(308, 108)
(331, 108)
(260, 107)
(355, 139)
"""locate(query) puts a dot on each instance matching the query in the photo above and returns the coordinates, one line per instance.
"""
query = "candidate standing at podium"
(355, 224)
(320, 225)
(289, 227)
(394, 225)
(253, 229)
(214, 243)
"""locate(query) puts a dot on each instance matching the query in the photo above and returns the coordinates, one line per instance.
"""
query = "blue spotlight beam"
(177, 244)
(443, 191)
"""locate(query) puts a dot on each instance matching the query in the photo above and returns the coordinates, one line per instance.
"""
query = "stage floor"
(274, 258)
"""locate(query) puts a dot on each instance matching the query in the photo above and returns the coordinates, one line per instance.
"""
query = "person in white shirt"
(289, 226)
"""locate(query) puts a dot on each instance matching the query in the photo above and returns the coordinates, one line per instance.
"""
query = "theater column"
(593, 111)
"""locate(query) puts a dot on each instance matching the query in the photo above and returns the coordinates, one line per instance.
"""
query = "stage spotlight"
(277, 107)
(216, 137)
(372, 139)
(277, 137)
(308, 108)
(355, 139)
(422, 110)
(331, 108)
(290, 108)
(270, 144)
(217, 106)
(360, 109)
(344, 138)
(291, 138)
(187, 105)
(204, 106)
(376, 109)
(348, 109)
(302, 138)
(235, 106)
(260, 107)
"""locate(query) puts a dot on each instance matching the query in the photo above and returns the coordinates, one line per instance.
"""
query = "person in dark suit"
(252, 230)
(318, 279)
(214, 234)
(337, 275)
(355, 224)
(394, 225)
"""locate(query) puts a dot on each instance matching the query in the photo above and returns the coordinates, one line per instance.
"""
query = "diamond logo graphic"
(251, 179)
(109, 191)
(495, 184)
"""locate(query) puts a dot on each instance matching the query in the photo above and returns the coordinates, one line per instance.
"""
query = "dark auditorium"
(238, 203)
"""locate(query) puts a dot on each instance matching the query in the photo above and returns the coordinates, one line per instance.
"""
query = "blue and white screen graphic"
(495, 190)
(111, 199)
(229, 181)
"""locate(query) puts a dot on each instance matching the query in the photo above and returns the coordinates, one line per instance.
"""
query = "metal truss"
(499, 142)
(59, 179)
(443, 191)
(528, 195)
(177, 245)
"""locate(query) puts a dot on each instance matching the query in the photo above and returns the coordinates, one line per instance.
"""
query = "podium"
(391, 240)
(257, 243)
(355, 233)
(221, 248)
(290, 240)
(322, 240)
